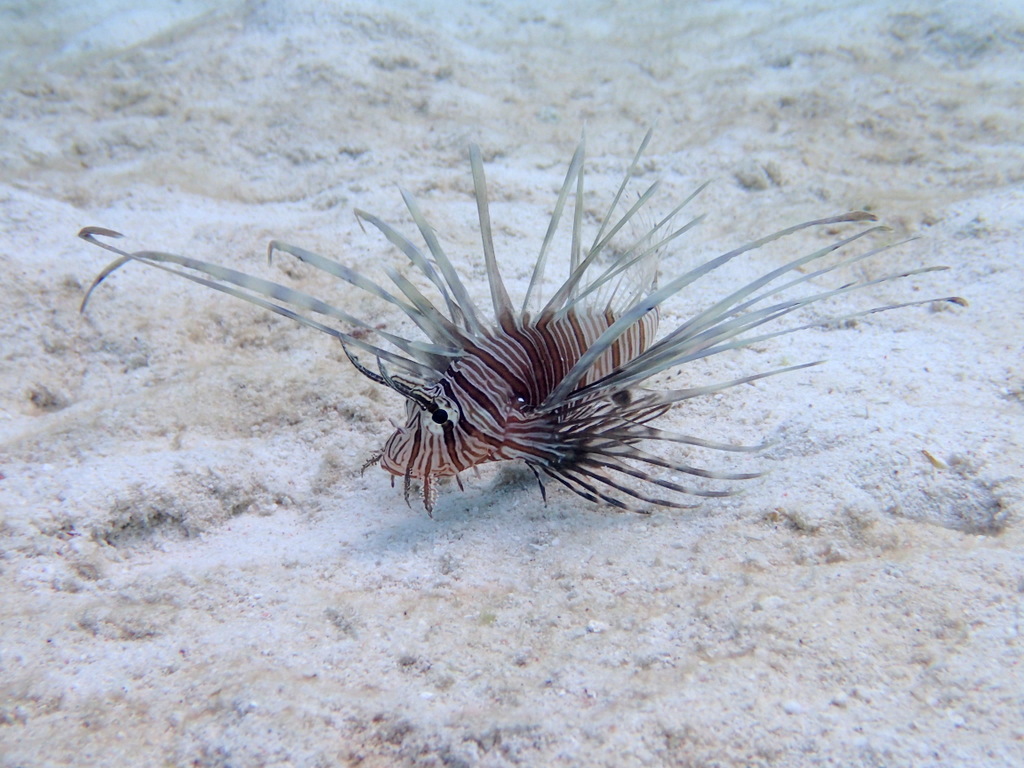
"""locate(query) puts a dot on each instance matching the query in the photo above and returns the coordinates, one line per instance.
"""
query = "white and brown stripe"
(494, 391)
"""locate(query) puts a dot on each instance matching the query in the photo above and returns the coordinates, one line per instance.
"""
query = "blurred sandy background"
(195, 573)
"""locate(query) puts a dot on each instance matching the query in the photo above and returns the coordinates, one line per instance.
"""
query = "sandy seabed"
(194, 572)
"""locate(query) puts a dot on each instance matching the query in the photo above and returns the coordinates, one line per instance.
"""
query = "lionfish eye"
(439, 416)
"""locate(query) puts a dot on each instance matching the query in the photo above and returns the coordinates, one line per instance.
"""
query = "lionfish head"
(433, 442)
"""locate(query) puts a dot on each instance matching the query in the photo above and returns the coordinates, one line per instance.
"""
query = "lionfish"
(556, 384)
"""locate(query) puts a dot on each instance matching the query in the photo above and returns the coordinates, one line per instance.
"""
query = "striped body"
(490, 395)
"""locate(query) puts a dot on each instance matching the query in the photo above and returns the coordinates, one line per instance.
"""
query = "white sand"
(194, 571)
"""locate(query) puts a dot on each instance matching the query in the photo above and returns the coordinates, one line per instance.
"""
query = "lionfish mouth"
(555, 382)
